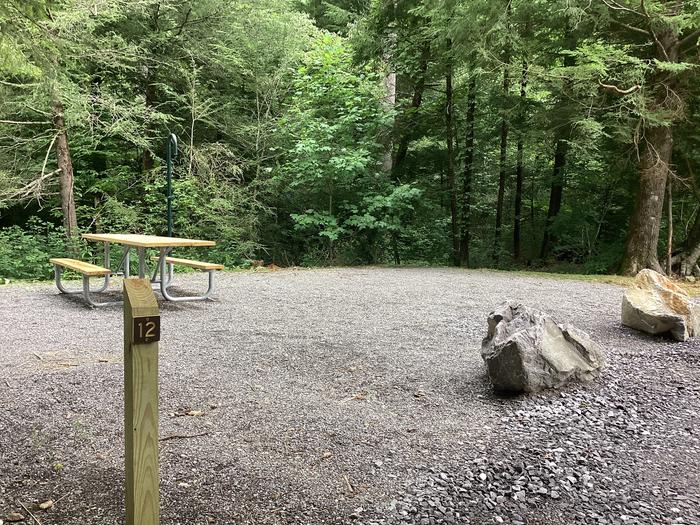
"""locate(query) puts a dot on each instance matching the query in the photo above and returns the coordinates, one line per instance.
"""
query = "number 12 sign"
(146, 330)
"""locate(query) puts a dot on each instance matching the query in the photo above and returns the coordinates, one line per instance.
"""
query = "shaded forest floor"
(348, 396)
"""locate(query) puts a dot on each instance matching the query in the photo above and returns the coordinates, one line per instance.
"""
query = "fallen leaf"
(14, 516)
(46, 505)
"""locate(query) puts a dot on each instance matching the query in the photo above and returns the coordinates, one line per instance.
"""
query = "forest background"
(554, 134)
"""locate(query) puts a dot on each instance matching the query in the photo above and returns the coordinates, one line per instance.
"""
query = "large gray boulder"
(656, 305)
(526, 351)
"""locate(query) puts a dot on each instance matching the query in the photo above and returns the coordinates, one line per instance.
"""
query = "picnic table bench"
(162, 274)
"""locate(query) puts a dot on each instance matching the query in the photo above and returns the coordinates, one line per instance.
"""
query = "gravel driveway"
(347, 396)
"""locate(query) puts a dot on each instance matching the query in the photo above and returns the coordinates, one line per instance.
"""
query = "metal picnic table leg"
(164, 284)
(90, 301)
(127, 252)
(142, 262)
(105, 285)
(86, 288)
(164, 252)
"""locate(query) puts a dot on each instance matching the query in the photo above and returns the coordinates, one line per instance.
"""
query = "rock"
(656, 305)
(526, 351)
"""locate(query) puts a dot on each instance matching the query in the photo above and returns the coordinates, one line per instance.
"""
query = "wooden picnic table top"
(145, 241)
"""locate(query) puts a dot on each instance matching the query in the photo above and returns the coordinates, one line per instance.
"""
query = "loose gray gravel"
(347, 396)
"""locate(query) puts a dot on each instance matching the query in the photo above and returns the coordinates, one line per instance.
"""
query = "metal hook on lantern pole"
(171, 153)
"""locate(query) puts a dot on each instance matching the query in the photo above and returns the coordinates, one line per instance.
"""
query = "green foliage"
(25, 252)
(285, 125)
(332, 131)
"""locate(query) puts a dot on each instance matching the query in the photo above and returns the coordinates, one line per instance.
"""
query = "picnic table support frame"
(164, 284)
(107, 259)
(142, 262)
(58, 271)
(125, 261)
(140, 406)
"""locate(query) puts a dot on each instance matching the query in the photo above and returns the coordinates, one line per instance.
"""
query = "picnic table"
(162, 274)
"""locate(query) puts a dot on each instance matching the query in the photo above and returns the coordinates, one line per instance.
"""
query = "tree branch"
(631, 28)
(29, 122)
(690, 38)
(13, 84)
(184, 22)
(617, 6)
(651, 28)
(619, 91)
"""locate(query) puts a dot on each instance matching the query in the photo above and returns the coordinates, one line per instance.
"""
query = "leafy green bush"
(25, 253)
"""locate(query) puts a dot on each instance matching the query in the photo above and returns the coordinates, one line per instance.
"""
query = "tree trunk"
(449, 125)
(150, 92)
(389, 102)
(560, 151)
(643, 236)
(641, 248)
(389, 95)
(405, 124)
(689, 255)
(468, 173)
(504, 145)
(148, 159)
(669, 244)
(65, 164)
(556, 191)
(519, 168)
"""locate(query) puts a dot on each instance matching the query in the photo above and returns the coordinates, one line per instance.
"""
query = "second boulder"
(526, 351)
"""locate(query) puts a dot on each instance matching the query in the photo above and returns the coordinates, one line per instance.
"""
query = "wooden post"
(141, 336)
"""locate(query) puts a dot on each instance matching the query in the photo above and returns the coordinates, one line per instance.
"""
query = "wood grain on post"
(141, 403)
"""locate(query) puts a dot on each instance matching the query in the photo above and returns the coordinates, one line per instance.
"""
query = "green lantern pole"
(171, 153)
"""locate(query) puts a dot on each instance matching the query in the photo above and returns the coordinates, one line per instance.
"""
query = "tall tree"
(449, 136)
(502, 162)
(669, 30)
(519, 169)
(563, 132)
(468, 174)
(65, 165)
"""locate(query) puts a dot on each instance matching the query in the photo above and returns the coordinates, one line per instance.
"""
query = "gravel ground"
(347, 396)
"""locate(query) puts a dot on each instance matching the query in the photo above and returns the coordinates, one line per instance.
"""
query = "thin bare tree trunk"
(519, 171)
(389, 97)
(669, 246)
(556, 192)
(468, 173)
(560, 151)
(504, 146)
(150, 92)
(65, 164)
(389, 102)
(449, 125)
(405, 122)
